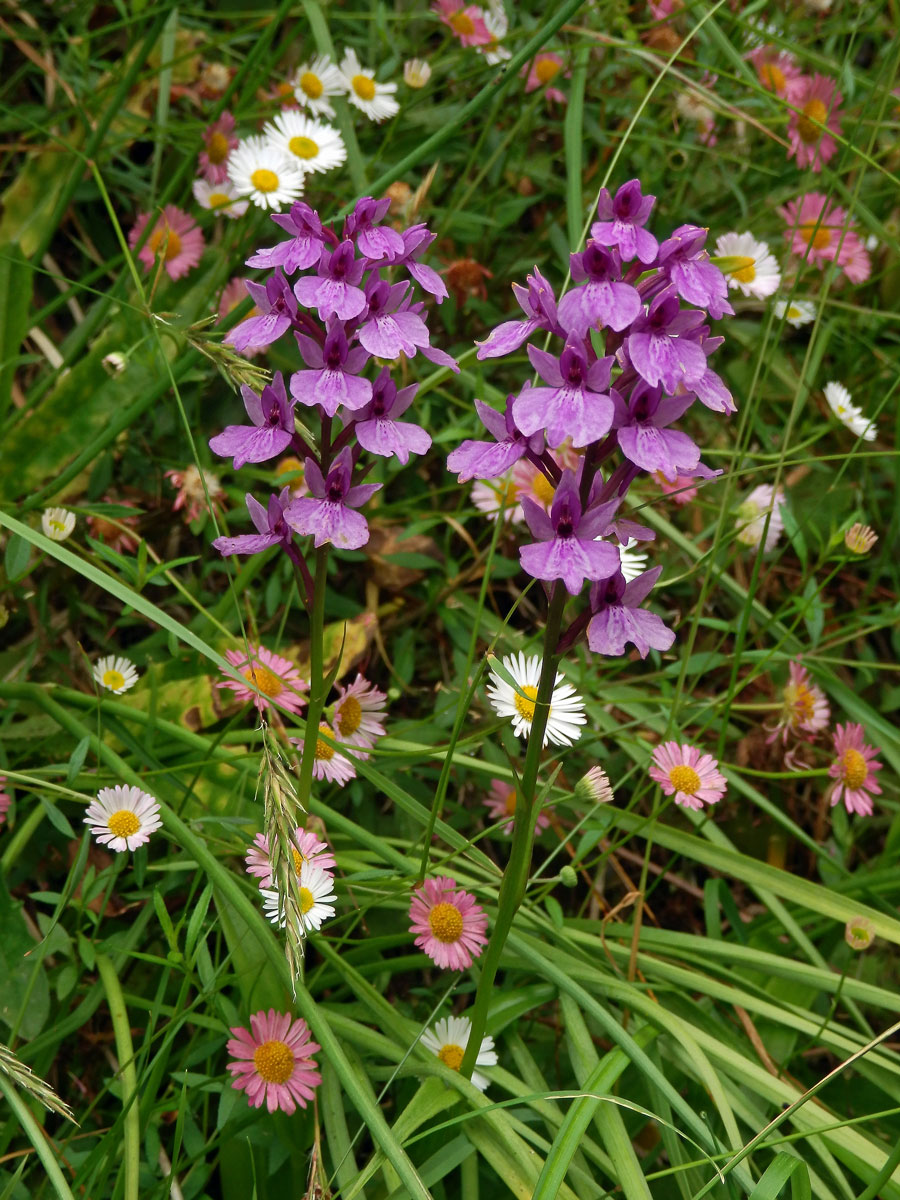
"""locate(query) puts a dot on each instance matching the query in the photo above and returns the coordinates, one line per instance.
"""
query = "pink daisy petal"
(276, 678)
(691, 777)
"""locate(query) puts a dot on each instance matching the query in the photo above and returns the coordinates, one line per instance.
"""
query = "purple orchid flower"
(439, 357)
(643, 435)
(271, 431)
(538, 303)
(487, 460)
(604, 300)
(277, 307)
(709, 388)
(273, 530)
(334, 379)
(328, 514)
(304, 246)
(333, 289)
(621, 223)
(658, 347)
(388, 330)
(684, 261)
(575, 405)
(374, 240)
(377, 427)
(416, 240)
(567, 549)
(618, 620)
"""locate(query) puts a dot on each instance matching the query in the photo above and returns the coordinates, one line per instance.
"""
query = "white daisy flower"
(497, 24)
(566, 706)
(692, 105)
(311, 144)
(117, 674)
(416, 73)
(123, 818)
(795, 312)
(758, 273)
(57, 523)
(848, 414)
(314, 82)
(493, 496)
(752, 514)
(317, 897)
(376, 100)
(448, 1039)
(265, 174)
(219, 198)
(631, 562)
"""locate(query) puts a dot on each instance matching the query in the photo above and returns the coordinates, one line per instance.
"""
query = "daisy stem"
(515, 877)
(317, 691)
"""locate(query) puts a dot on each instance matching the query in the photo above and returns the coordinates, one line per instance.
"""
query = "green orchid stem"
(515, 877)
(317, 691)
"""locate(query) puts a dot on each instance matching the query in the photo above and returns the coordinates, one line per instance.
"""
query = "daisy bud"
(859, 933)
(594, 788)
(859, 539)
(416, 73)
(568, 876)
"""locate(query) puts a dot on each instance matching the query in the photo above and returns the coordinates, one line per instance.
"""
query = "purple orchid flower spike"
(334, 288)
(684, 261)
(375, 241)
(277, 307)
(487, 460)
(618, 620)
(658, 348)
(271, 431)
(270, 523)
(416, 240)
(380, 432)
(604, 300)
(643, 435)
(538, 303)
(328, 514)
(388, 330)
(622, 221)
(567, 549)
(304, 246)
(334, 379)
(709, 388)
(575, 404)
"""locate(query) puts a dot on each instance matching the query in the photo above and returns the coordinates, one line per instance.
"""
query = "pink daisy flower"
(269, 677)
(691, 777)
(306, 849)
(175, 237)
(823, 232)
(662, 10)
(776, 70)
(219, 141)
(805, 707)
(449, 924)
(191, 493)
(543, 68)
(466, 21)
(682, 489)
(274, 1062)
(329, 764)
(358, 714)
(501, 802)
(5, 801)
(854, 258)
(854, 769)
(818, 101)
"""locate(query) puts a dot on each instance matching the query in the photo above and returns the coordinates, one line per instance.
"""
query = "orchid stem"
(316, 676)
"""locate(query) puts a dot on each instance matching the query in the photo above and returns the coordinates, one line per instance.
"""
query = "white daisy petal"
(566, 706)
(849, 414)
(317, 897)
(758, 274)
(57, 523)
(315, 81)
(313, 145)
(631, 563)
(122, 818)
(376, 100)
(265, 174)
(115, 673)
(448, 1039)
(795, 312)
(220, 198)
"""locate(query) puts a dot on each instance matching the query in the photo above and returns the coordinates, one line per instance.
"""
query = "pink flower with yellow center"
(328, 762)
(358, 714)
(501, 802)
(684, 772)
(218, 143)
(269, 677)
(175, 238)
(449, 925)
(306, 848)
(194, 484)
(817, 102)
(122, 818)
(466, 21)
(273, 1061)
(542, 70)
(854, 770)
(776, 70)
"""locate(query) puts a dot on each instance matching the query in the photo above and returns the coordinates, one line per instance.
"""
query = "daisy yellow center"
(303, 147)
(746, 272)
(284, 90)
(543, 488)
(264, 180)
(799, 702)
(307, 900)
(219, 199)
(813, 110)
(446, 923)
(298, 859)
(349, 718)
(451, 1056)
(510, 802)
(168, 239)
(819, 237)
(363, 86)
(217, 150)
(288, 465)
(311, 85)
(854, 767)
(772, 77)
(525, 704)
(323, 750)
(274, 1061)
(124, 823)
(268, 684)
(684, 779)
(56, 525)
(545, 69)
(462, 24)
(113, 679)
(794, 312)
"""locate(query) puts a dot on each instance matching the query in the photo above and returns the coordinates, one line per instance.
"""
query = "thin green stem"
(317, 690)
(37, 1137)
(515, 877)
(125, 1051)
